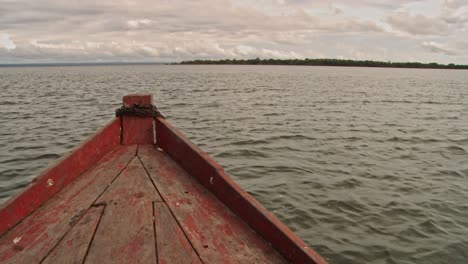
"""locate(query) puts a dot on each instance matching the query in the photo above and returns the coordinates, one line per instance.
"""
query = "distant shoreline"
(286, 62)
(82, 64)
(327, 62)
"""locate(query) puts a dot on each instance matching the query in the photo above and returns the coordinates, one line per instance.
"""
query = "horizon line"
(181, 62)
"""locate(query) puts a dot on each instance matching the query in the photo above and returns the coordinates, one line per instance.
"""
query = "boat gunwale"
(190, 157)
(247, 208)
(52, 180)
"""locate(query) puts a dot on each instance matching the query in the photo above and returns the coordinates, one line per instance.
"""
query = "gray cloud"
(418, 24)
(379, 4)
(455, 12)
(148, 30)
(437, 48)
(454, 4)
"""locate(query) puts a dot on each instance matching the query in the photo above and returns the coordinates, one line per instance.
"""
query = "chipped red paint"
(47, 224)
(172, 244)
(136, 129)
(213, 177)
(72, 249)
(212, 229)
(59, 175)
(205, 219)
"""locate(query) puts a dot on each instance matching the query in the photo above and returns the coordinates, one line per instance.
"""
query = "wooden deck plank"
(33, 238)
(73, 247)
(215, 232)
(126, 231)
(132, 183)
(173, 246)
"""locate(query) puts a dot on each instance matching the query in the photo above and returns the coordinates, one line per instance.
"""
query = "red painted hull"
(175, 158)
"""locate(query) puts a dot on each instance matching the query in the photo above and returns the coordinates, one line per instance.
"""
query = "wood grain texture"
(33, 238)
(126, 231)
(215, 232)
(132, 183)
(73, 247)
(212, 176)
(56, 177)
(173, 246)
(137, 130)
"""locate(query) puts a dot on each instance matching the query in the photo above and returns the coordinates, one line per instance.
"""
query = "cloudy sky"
(172, 30)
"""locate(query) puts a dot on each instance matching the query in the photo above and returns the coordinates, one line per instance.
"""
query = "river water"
(366, 165)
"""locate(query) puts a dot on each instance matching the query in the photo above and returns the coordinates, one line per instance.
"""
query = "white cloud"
(139, 23)
(6, 42)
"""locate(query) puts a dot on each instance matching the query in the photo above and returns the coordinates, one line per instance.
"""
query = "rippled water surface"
(366, 165)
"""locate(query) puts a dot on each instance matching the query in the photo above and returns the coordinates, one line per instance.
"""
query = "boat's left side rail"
(65, 170)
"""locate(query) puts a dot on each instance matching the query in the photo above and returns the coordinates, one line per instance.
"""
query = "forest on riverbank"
(329, 62)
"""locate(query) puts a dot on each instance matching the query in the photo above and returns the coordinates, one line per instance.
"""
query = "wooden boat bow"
(138, 191)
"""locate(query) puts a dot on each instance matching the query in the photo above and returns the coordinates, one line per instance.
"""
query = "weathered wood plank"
(212, 176)
(59, 175)
(215, 232)
(132, 183)
(33, 238)
(173, 246)
(72, 249)
(126, 231)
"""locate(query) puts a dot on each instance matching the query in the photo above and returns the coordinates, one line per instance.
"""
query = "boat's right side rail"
(212, 176)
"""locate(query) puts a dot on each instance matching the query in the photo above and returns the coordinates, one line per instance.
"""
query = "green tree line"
(329, 62)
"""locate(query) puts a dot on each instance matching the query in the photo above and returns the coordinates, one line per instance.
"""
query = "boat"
(138, 191)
